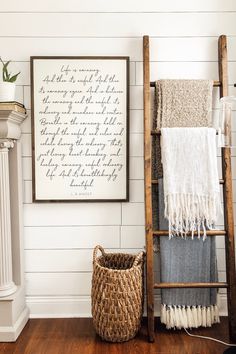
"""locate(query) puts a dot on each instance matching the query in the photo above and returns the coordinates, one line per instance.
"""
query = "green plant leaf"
(14, 77)
(5, 71)
(6, 76)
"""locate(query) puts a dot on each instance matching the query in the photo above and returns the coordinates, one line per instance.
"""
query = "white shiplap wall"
(59, 237)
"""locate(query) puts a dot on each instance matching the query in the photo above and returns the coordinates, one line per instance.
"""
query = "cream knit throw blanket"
(181, 103)
(191, 181)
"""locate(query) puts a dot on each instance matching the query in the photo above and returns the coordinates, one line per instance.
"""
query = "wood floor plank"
(77, 336)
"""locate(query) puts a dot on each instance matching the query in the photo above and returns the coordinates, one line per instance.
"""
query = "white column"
(7, 285)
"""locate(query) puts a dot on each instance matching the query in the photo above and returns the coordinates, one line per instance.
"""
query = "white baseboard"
(80, 306)
(11, 333)
(59, 306)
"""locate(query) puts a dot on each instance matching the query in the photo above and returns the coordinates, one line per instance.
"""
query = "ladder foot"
(232, 338)
(151, 339)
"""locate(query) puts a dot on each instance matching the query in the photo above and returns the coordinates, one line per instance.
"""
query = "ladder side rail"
(148, 189)
(228, 201)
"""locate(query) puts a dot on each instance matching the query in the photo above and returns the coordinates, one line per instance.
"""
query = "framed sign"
(80, 128)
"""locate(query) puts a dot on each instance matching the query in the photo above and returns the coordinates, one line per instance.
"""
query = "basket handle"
(138, 259)
(95, 251)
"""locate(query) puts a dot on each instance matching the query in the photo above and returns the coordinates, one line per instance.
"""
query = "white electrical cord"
(213, 339)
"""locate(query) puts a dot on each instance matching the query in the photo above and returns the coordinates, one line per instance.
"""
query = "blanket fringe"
(190, 213)
(189, 316)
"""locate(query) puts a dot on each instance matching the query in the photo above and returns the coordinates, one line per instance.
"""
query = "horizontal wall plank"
(58, 284)
(70, 237)
(117, 25)
(222, 276)
(133, 214)
(118, 6)
(161, 49)
(27, 168)
(136, 144)
(132, 236)
(184, 70)
(136, 121)
(26, 145)
(136, 191)
(58, 214)
(136, 97)
(19, 96)
(220, 253)
(27, 192)
(189, 49)
(136, 168)
(58, 261)
(131, 47)
(64, 260)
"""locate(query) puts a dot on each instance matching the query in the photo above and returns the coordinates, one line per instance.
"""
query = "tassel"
(163, 313)
(172, 319)
(177, 317)
(199, 315)
(212, 314)
(204, 316)
(166, 317)
(208, 316)
(216, 314)
(195, 319)
(189, 317)
(181, 318)
(184, 314)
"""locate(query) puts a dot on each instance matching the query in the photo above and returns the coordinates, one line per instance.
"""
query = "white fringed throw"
(191, 181)
(189, 316)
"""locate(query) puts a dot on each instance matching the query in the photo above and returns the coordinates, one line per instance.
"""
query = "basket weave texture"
(117, 295)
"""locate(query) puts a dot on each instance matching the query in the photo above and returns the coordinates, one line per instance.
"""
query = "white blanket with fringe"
(189, 316)
(191, 181)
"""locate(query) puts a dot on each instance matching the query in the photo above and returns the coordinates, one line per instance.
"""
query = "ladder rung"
(155, 181)
(208, 233)
(190, 285)
(215, 84)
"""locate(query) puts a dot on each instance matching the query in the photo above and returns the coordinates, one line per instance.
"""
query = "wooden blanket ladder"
(226, 183)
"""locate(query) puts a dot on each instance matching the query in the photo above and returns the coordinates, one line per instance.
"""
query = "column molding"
(7, 285)
(13, 309)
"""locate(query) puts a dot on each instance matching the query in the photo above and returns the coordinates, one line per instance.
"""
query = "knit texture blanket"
(183, 103)
(191, 181)
(180, 103)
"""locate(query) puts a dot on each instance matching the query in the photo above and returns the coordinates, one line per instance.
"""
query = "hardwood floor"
(76, 335)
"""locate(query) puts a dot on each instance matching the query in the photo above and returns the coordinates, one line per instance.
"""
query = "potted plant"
(7, 84)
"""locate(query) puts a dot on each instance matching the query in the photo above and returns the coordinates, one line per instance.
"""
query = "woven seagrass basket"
(117, 294)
